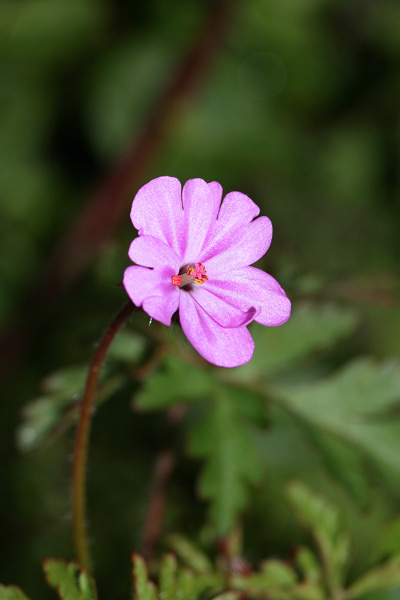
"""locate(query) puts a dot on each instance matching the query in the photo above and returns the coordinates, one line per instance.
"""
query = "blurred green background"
(293, 102)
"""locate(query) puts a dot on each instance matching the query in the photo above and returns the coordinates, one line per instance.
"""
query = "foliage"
(319, 575)
(69, 580)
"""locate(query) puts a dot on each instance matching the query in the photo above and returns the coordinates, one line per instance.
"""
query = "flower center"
(196, 274)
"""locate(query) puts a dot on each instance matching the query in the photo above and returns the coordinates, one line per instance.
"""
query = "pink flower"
(194, 255)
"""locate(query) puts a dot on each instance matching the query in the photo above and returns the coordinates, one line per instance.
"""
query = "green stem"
(82, 438)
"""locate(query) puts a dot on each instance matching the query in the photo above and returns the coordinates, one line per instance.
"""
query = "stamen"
(176, 280)
(196, 274)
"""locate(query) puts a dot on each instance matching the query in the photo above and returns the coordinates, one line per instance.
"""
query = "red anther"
(176, 280)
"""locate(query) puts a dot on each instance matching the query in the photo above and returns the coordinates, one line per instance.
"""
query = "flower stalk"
(82, 438)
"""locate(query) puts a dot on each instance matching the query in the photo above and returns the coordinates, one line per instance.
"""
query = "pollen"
(194, 274)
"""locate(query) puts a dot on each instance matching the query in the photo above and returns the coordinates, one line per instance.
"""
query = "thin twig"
(82, 438)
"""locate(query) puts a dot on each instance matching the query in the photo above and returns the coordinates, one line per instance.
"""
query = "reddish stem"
(82, 438)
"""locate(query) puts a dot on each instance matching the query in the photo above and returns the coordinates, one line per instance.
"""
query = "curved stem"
(82, 438)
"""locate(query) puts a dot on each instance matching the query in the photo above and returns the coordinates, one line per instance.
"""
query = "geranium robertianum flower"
(194, 255)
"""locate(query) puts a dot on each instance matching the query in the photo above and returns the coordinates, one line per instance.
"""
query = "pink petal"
(237, 211)
(221, 346)
(250, 287)
(216, 190)
(157, 211)
(241, 248)
(152, 289)
(150, 251)
(220, 310)
(198, 206)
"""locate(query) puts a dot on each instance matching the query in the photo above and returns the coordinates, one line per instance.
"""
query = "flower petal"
(149, 251)
(153, 289)
(157, 211)
(216, 189)
(242, 248)
(221, 346)
(250, 287)
(237, 211)
(219, 308)
(198, 206)
(161, 308)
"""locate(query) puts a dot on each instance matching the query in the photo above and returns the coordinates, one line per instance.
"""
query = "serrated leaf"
(232, 464)
(191, 555)
(273, 574)
(356, 405)
(168, 581)
(381, 578)
(185, 584)
(144, 588)
(11, 592)
(194, 585)
(308, 565)
(69, 580)
(310, 328)
(47, 417)
(279, 582)
(322, 520)
(175, 382)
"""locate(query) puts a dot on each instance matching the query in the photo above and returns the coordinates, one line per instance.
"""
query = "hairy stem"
(82, 438)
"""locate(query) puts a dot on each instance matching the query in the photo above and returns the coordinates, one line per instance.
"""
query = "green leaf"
(175, 382)
(308, 565)
(322, 520)
(69, 580)
(309, 329)
(227, 596)
(389, 544)
(168, 582)
(144, 588)
(355, 404)
(276, 580)
(128, 346)
(223, 439)
(381, 578)
(344, 462)
(185, 584)
(11, 592)
(67, 382)
(39, 417)
(192, 556)
(277, 573)
(47, 417)
(306, 591)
